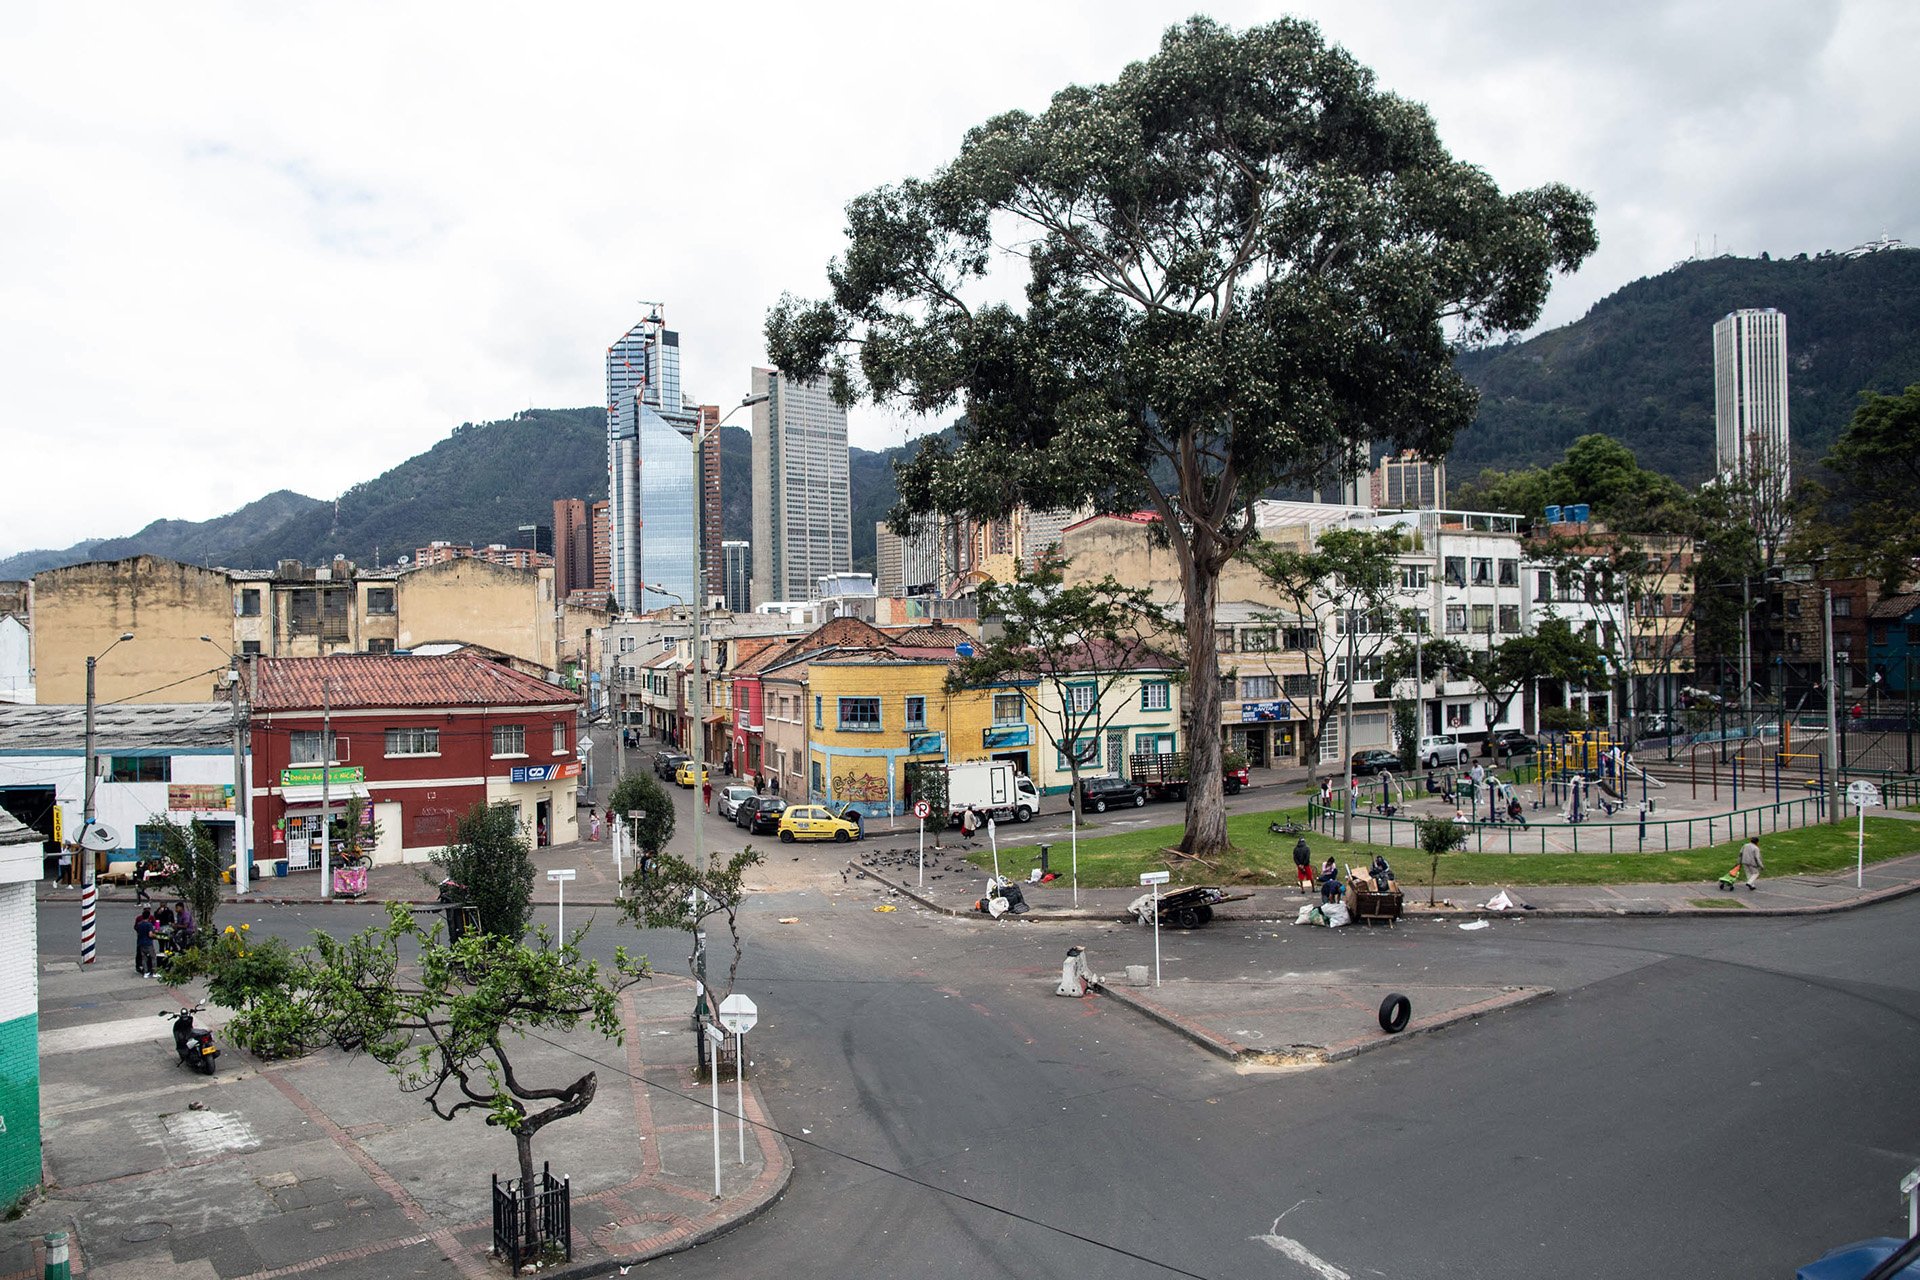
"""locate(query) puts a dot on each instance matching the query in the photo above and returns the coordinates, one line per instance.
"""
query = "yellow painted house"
(874, 713)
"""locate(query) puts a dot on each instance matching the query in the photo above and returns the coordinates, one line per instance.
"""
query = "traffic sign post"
(559, 878)
(738, 1015)
(1862, 795)
(1156, 879)
(920, 811)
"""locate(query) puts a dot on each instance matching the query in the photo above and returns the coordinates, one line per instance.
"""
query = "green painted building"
(19, 1012)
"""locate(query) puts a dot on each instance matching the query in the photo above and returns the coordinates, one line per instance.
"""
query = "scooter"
(193, 1044)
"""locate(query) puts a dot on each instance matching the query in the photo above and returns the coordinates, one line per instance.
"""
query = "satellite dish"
(101, 838)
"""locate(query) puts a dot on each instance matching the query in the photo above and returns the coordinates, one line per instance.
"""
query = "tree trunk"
(1206, 805)
(529, 1194)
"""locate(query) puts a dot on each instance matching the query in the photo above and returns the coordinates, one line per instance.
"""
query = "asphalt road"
(1699, 1098)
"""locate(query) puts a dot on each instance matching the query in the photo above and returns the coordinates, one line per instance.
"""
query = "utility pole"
(242, 853)
(1746, 646)
(326, 793)
(1833, 712)
(90, 890)
(1346, 739)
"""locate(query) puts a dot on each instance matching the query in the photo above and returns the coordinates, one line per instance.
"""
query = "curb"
(1235, 1052)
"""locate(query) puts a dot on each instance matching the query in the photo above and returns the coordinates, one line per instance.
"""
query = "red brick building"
(421, 739)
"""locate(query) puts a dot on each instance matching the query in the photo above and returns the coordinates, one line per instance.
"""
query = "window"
(1543, 585)
(1420, 620)
(1456, 619)
(860, 715)
(509, 740)
(140, 769)
(1156, 695)
(1413, 577)
(559, 738)
(304, 747)
(1880, 635)
(413, 742)
(1793, 607)
(1086, 750)
(1482, 618)
(250, 647)
(1793, 644)
(379, 644)
(379, 599)
(1913, 635)
(1257, 640)
(1302, 638)
(1843, 606)
(1007, 708)
(1483, 571)
(250, 602)
(1080, 699)
(1223, 640)
(1299, 686)
(1677, 606)
(1509, 619)
(916, 712)
(1373, 669)
(626, 644)
(1258, 688)
(1229, 688)
(1509, 573)
(818, 717)
(1456, 571)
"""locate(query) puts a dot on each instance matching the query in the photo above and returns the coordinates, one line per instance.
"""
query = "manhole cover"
(144, 1231)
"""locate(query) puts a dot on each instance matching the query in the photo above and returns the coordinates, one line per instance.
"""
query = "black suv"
(1375, 761)
(1507, 742)
(763, 819)
(667, 763)
(1101, 794)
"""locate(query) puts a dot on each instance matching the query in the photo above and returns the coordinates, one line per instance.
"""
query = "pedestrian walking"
(1302, 863)
(1750, 859)
(143, 952)
(593, 820)
(706, 792)
(140, 893)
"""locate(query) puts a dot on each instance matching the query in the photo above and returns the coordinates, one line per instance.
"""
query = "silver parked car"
(731, 798)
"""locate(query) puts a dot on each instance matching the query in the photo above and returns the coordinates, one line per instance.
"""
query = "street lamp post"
(90, 889)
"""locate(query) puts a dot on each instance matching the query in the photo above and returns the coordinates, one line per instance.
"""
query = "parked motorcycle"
(193, 1044)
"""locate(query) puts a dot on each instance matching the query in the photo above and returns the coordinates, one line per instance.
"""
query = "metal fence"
(526, 1227)
(1640, 835)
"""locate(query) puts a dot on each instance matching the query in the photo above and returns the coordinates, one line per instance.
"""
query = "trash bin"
(280, 867)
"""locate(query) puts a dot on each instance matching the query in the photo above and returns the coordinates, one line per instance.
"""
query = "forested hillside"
(1639, 365)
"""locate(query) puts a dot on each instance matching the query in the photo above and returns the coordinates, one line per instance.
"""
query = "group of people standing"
(151, 927)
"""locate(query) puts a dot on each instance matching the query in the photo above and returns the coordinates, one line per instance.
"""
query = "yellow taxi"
(815, 822)
(684, 774)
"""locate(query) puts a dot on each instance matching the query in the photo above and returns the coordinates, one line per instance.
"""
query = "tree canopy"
(1241, 258)
(490, 859)
(1597, 470)
(1870, 522)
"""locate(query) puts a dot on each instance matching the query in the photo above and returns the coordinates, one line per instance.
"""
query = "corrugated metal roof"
(397, 680)
(128, 729)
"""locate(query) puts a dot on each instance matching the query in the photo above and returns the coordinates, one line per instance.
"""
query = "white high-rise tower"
(1750, 395)
(802, 511)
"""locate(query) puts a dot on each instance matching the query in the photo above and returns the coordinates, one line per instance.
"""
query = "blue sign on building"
(927, 744)
(1007, 735)
(1262, 712)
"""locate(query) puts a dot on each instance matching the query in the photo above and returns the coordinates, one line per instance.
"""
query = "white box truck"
(994, 788)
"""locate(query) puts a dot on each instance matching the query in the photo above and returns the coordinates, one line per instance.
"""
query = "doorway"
(542, 823)
(1018, 759)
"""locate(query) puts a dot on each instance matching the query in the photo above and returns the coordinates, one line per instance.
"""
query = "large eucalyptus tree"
(1228, 268)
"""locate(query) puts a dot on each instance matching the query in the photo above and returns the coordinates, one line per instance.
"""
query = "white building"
(802, 510)
(16, 659)
(1750, 394)
(155, 762)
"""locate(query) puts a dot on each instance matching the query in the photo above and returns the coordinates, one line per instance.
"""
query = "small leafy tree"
(1438, 836)
(491, 858)
(1870, 521)
(1065, 648)
(448, 1024)
(677, 895)
(1406, 734)
(641, 791)
(198, 869)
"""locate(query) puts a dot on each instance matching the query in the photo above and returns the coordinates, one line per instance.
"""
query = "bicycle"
(1287, 828)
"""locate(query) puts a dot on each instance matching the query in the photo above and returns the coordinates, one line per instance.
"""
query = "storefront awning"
(312, 795)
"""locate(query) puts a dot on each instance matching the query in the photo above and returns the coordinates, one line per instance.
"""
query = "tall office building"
(602, 550)
(1408, 482)
(572, 547)
(1750, 394)
(736, 575)
(712, 559)
(653, 496)
(802, 514)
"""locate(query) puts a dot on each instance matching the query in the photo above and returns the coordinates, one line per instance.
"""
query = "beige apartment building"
(290, 611)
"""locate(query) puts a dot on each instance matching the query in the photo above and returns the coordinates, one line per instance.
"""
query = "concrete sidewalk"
(323, 1164)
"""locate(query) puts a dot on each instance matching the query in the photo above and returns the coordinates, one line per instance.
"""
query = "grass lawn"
(1259, 857)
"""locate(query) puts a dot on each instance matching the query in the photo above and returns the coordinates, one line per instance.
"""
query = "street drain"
(145, 1231)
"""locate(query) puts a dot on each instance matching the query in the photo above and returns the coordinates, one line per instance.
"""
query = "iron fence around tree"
(1649, 834)
(532, 1227)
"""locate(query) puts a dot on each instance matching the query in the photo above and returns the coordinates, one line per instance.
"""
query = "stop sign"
(738, 1014)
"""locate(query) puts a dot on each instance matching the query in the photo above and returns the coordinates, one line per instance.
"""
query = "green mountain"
(1639, 365)
(194, 542)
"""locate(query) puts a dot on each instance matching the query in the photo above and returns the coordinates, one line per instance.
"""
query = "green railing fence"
(1649, 835)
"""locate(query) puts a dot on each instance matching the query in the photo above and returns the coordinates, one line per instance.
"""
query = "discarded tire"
(1394, 1012)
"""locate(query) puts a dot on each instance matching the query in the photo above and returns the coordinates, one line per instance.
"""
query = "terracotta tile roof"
(398, 680)
(1896, 606)
(931, 636)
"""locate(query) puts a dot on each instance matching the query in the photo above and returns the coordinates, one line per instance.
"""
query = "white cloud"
(249, 247)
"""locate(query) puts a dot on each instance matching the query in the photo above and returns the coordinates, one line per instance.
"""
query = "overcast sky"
(247, 247)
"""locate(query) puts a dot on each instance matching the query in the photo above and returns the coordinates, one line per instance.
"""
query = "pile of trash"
(1331, 915)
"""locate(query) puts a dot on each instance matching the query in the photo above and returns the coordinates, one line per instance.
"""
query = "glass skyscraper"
(652, 489)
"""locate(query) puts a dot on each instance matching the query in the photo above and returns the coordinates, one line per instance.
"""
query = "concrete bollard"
(1136, 975)
(57, 1267)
